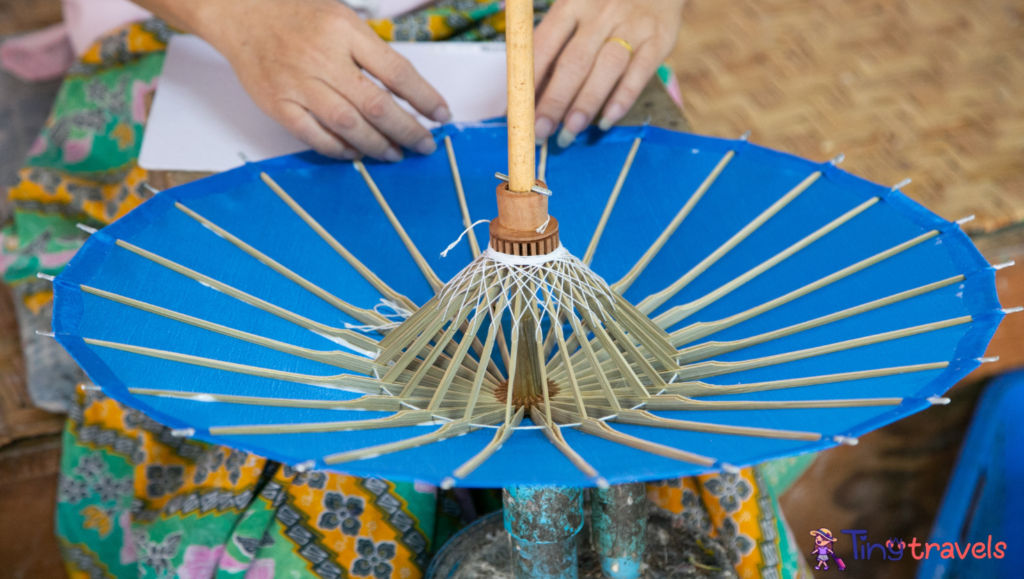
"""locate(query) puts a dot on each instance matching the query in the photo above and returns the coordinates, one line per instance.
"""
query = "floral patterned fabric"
(136, 501)
(738, 509)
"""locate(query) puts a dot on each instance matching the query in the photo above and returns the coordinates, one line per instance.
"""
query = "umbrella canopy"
(782, 306)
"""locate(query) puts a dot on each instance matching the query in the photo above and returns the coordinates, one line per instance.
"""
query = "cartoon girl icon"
(823, 540)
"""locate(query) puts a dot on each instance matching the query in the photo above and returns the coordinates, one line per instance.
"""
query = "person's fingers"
(341, 117)
(550, 36)
(379, 108)
(611, 62)
(644, 64)
(303, 125)
(570, 70)
(399, 75)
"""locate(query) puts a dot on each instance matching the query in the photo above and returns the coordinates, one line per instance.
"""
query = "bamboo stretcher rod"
(334, 358)
(500, 437)
(542, 167)
(467, 222)
(428, 272)
(554, 435)
(352, 260)
(448, 430)
(627, 280)
(623, 173)
(346, 338)
(702, 329)
(644, 418)
(460, 354)
(603, 430)
(682, 312)
(652, 302)
(445, 340)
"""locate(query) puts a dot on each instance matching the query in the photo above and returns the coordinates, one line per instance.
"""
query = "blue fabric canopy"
(884, 248)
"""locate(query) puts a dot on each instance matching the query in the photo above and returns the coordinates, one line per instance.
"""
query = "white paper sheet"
(203, 120)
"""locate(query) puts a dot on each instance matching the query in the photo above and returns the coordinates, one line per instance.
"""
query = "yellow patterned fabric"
(739, 510)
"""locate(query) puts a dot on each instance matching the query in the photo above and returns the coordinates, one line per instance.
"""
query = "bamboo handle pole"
(519, 55)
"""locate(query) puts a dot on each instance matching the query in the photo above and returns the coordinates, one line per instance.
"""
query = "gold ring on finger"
(621, 43)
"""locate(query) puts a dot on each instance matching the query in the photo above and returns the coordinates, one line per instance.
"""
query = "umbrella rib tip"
(87, 229)
(846, 440)
(183, 432)
(447, 483)
(938, 400)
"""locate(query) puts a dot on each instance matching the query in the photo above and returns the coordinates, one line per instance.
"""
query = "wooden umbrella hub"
(523, 226)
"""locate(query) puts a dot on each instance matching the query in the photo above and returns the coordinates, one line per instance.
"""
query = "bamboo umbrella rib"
(334, 358)
(542, 166)
(627, 280)
(708, 369)
(271, 263)
(623, 173)
(666, 403)
(398, 420)
(346, 338)
(428, 272)
(346, 382)
(683, 311)
(652, 302)
(697, 389)
(708, 349)
(467, 222)
(448, 430)
(702, 329)
(412, 351)
(714, 368)
(313, 224)
(371, 403)
(500, 437)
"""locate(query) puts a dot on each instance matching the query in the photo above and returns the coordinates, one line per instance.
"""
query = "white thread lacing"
(397, 311)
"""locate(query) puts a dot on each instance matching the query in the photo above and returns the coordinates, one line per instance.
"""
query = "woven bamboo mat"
(926, 89)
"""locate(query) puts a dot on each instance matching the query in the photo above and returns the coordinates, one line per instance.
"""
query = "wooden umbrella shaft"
(519, 55)
(523, 226)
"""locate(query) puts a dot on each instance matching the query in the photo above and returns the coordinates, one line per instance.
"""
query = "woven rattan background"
(926, 89)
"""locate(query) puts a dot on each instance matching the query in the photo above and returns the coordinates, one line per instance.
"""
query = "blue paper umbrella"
(728, 304)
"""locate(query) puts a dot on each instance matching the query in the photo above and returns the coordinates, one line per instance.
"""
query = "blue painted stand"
(618, 523)
(543, 523)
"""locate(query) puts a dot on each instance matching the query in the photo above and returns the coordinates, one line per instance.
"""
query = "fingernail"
(442, 114)
(565, 137)
(392, 155)
(425, 147)
(576, 122)
(542, 129)
(611, 116)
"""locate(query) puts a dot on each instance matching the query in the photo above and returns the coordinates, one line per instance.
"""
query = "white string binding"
(463, 234)
(397, 311)
(528, 278)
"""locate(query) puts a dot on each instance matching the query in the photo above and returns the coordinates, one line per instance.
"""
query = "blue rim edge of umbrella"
(69, 308)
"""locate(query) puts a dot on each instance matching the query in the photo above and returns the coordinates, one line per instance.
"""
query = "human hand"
(580, 63)
(301, 62)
